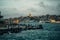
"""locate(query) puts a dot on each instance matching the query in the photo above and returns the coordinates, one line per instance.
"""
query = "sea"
(50, 31)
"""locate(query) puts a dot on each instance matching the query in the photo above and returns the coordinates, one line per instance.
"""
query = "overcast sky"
(16, 8)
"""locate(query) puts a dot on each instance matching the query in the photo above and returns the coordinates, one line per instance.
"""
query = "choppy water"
(32, 35)
(52, 32)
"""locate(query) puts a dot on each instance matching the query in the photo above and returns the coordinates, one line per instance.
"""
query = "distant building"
(16, 21)
(30, 15)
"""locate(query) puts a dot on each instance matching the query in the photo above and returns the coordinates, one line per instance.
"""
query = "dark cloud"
(15, 8)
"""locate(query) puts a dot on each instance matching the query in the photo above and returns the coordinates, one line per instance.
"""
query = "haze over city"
(16, 8)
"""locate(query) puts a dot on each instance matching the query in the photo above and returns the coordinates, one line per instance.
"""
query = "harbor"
(15, 25)
(30, 28)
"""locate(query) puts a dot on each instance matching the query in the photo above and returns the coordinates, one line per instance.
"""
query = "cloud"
(12, 8)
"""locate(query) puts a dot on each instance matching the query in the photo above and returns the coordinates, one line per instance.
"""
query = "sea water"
(50, 32)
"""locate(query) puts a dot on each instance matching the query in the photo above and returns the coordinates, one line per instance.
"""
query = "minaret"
(0, 15)
(1, 18)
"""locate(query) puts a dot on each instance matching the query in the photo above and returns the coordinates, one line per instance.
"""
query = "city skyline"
(16, 8)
